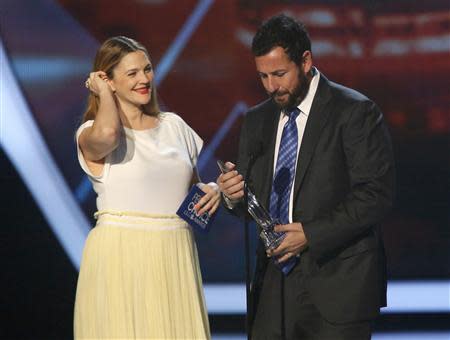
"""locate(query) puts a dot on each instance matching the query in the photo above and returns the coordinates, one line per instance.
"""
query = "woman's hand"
(209, 202)
(98, 83)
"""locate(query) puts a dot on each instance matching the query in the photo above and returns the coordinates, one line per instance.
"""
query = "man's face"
(285, 81)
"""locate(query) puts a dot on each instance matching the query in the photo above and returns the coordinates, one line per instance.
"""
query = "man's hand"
(294, 242)
(231, 184)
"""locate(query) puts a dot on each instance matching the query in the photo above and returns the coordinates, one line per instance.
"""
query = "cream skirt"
(140, 279)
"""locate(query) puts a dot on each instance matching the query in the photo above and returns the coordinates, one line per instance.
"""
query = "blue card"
(187, 212)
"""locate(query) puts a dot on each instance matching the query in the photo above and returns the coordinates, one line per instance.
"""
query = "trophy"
(271, 239)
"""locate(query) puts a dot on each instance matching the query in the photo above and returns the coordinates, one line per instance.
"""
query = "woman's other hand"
(210, 201)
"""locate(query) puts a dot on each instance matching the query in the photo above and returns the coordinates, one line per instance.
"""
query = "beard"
(296, 96)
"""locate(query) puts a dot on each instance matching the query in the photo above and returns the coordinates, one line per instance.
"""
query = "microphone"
(255, 151)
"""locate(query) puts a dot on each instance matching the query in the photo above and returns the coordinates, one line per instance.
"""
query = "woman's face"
(132, 79)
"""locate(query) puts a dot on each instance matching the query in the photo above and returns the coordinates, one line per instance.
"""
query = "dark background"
(395, 52)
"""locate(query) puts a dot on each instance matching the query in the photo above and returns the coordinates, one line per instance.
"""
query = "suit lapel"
(270, 127)
(318, 116)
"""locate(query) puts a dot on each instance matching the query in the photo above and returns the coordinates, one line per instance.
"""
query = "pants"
(285, 311)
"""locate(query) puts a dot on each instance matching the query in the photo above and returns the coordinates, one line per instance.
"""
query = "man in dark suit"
(337, 176)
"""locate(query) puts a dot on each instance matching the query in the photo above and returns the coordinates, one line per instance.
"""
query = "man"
(323, 166)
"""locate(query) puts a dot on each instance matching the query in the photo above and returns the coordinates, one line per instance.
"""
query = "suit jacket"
(343, 188)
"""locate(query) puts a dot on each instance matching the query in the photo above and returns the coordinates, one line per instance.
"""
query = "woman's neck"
(134, 117)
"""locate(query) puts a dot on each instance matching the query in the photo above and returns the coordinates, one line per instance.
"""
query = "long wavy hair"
(107, 58)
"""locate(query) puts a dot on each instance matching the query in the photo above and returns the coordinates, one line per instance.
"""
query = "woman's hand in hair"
(98, 83)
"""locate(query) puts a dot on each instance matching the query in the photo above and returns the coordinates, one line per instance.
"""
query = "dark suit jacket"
(344, 186)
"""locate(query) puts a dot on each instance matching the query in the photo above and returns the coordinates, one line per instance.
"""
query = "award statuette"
(271, 239)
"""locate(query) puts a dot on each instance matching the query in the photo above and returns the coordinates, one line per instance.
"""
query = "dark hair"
(107, 58)
(284, 31)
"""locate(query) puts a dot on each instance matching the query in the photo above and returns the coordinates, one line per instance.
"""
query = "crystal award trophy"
(271, 239)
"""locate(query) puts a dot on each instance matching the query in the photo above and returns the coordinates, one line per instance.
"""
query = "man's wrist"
(230, 202)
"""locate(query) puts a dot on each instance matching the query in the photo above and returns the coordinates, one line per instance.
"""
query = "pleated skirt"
(140, 279)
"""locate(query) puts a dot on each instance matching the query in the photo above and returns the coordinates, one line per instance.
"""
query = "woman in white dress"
(139, 275)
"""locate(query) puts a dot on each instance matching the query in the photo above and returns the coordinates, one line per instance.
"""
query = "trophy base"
(271, 239)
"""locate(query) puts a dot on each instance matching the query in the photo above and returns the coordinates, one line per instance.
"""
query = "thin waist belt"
(138, 220)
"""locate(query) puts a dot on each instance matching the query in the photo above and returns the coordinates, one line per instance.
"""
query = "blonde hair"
(107, 58)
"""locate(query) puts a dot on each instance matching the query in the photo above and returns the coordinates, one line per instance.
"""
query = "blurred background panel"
(395, 52)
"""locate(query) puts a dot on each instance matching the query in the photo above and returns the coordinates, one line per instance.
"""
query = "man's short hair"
(284, 31)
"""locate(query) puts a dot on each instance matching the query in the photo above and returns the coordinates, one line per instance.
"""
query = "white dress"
(139, 276)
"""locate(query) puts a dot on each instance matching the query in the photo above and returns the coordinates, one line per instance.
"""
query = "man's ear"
(307, 61)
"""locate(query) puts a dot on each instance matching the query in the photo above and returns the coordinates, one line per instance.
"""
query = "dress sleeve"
(193, 142)
(82, 161)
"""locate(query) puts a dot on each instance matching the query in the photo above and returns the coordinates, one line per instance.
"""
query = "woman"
(139, 276)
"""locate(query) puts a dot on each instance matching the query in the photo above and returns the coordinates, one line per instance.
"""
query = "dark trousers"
(285, 311)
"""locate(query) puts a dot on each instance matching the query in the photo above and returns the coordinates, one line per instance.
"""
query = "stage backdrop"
(395, 52)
